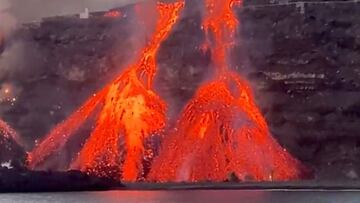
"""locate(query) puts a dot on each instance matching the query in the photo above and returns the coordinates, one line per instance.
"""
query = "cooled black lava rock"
(33, 181)
(11, 154)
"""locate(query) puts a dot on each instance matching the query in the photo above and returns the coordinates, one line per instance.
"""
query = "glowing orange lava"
(10, 133)
(221, 131)
(58, 137)
(113, 14)
(130, 113)
(219, 25)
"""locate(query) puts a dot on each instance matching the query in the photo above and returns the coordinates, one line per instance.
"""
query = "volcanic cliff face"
(303, 68)
(11, 154)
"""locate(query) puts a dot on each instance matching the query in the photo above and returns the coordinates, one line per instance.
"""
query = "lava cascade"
(130, 112)
(10, 133)
(221, 132)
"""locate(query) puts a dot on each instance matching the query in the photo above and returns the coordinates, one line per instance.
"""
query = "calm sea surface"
(189, 196)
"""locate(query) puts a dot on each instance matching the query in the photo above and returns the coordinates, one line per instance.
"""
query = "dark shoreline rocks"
(17, 180)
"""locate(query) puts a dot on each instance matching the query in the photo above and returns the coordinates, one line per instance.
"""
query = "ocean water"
(188, 196)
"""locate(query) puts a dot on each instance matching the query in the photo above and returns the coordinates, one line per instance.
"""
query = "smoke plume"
(8, 22)
(7, 56)
(34, 10)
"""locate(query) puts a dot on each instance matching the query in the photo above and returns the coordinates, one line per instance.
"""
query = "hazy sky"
(31, 10)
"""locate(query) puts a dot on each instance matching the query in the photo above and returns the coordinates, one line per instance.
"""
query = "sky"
(34, 10)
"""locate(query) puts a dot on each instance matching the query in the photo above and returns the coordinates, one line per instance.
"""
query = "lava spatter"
(10, 133)
(221, 131)
(130, 112)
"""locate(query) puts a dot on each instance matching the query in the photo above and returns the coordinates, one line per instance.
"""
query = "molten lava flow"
(221, 131)
(113, 14)
(58, 137)
(131, 110)
(130, 113)
(10, 133)
(219, 24)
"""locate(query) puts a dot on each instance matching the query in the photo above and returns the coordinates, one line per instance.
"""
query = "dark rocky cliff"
(304, 69)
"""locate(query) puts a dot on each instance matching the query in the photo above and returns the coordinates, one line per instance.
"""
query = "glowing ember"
(221, 131)
(219, 25)
(130, 113)
(113, 14)
(10, 133)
